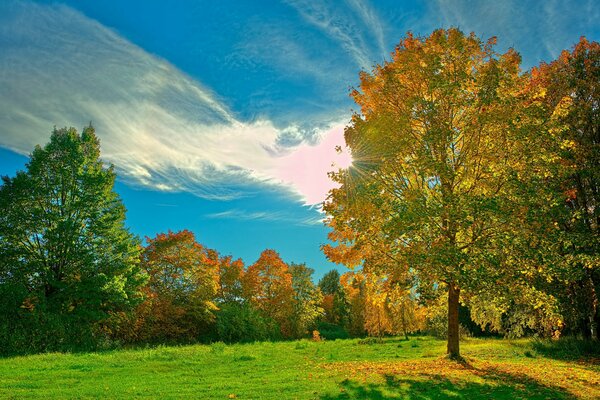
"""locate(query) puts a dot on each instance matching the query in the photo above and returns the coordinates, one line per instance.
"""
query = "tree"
(440, 166)
(66, 256)
(569, 89)
(268, 287)
(405, 313)
(377, 316)
(231, 273)
(354, 287)
(307, 299)
(534, 311)
(240, 322)
(334, 301)
(330, 282)
(183, 279)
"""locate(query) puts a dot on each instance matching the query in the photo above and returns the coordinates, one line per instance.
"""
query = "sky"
(222, 117)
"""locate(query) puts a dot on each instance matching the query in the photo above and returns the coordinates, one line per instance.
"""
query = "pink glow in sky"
(306, 168)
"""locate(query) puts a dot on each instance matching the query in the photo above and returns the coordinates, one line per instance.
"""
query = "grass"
(340, 369)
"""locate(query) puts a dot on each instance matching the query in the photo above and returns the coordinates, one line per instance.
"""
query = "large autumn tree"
(569, 89)
(66, 258)
(439, 168)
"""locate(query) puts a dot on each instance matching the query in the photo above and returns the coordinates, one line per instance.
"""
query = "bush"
(27, 333)
(330, 331)
(241, 323)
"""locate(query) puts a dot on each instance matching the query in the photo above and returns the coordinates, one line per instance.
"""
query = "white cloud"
(278, 216)
(161, 128)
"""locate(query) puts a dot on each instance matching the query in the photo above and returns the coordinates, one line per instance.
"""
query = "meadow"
(393, 368)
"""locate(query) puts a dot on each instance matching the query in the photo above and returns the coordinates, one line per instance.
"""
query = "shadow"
(482, 384)
(569, 349)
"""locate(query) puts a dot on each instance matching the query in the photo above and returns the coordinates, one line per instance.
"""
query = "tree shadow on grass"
(568, 349)
(427, 386)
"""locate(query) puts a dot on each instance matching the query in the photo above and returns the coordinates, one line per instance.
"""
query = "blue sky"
(221, 116)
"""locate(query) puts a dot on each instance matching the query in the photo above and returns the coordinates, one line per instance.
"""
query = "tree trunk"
(453, 339)
(593, 309)
(403, 319)
(597, 324)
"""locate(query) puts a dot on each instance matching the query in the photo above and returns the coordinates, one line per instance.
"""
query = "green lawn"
(341, 369)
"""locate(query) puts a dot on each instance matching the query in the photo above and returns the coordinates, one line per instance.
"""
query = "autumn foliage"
(268, 287)
(181, 288)
(193, 293)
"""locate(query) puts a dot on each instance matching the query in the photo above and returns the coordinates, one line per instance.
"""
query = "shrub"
(330, 331)
(241, 323)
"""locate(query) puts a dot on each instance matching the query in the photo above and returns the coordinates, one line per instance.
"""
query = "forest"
(471, 208)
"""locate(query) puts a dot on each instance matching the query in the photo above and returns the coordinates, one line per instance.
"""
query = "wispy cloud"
(166, 205)
(277, 216)
(161, 128)
(293, 59)
(167, 131)
(371, 21)
(303, 78)
(344, 27)
(537, 29)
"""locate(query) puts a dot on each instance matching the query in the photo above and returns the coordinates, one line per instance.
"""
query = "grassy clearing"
(341, 369)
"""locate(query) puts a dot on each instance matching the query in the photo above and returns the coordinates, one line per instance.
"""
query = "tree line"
(72, 277)
(472, 204)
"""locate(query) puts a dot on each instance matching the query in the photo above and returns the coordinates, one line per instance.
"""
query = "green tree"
(335, 306)
(330, 282)
(440, 161)
(66, 258)
(240, 322)
(307, 299)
